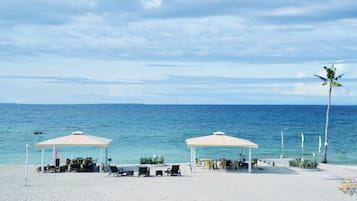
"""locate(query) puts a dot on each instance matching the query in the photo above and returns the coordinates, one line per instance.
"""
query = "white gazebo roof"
(76, 139)
(219, 139)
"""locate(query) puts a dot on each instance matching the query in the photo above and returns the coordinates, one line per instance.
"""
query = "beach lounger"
(115, 171)
(51, 169)
(174, 171)
(144, 171)
(129, 172)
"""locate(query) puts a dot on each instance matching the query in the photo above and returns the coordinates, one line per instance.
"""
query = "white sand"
(271, 183)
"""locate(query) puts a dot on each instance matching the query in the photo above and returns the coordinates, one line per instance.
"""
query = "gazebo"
(75, 139)
(218, 139)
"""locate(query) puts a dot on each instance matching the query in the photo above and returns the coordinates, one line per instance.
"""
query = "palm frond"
(336, 84)
(339, 76)
(321, 78)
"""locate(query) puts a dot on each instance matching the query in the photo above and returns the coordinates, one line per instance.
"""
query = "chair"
(235, 165)
(174, 171)
(255, 162)
(158, 173)
(229, 164)
(115, 171)
(222, 163)
(75, 167)
(209, 164)
(129, 172)
(243, 165)
(63, 168)
(87, 165)
(44, 169)
(144, 171)
(51, 168)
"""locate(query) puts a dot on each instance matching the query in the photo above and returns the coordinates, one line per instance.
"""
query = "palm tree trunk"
(324, 160)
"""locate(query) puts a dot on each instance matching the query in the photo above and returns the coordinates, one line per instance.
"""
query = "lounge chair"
(129, 172)
(174, 171)
(144, 171)
(115, 171)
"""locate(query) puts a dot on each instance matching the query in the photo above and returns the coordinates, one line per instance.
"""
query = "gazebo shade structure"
(75, 139)
(218, 139)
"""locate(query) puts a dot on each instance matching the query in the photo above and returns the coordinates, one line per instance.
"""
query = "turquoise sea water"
(147, 130)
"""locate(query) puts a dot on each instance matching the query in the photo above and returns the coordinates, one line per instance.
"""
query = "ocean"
(139, 130)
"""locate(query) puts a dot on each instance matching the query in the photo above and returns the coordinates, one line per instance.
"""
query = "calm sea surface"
(147, 130)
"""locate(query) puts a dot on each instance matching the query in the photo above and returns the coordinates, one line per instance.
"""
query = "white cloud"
(315, 89)
(221, 37)
(115, 41)
(150, 4)
(312, 8)
(349, 70)
(308, 89)
(77, 3)
(303, 74)
(289, 11)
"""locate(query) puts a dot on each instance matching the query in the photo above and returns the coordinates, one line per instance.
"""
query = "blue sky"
(176, 51)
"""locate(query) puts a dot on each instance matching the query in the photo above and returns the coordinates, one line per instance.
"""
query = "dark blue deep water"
(144, 130)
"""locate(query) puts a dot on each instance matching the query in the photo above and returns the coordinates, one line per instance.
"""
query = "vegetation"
(308, 164)
(152, 160)
(331, 81)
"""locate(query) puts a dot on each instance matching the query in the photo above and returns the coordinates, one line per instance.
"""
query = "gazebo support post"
(100, 159)
(42, 160)
(250, 160)
(193, 159)
(54, 154)
(106, 159)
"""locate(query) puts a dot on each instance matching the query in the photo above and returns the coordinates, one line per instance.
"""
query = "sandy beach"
(264, 183)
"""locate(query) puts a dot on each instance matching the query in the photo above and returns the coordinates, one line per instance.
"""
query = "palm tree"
(331, 81)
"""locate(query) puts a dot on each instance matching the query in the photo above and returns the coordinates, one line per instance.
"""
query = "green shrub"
(152, 160)
(303, 163)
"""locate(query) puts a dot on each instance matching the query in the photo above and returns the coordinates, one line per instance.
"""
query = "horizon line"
(178, 104)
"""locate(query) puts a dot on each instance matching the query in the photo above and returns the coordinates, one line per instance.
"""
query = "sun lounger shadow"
(174, 170)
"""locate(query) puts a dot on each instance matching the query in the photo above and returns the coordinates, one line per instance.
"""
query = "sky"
(176, 51)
